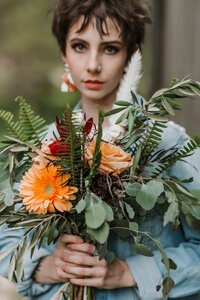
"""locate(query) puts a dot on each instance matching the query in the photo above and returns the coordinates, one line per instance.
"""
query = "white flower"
(114, 133)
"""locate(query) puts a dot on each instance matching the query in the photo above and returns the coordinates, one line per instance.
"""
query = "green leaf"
(19, 269)
(143, 250)
(80, 206)
(35, 237)
(149, 193)
(122, 117)
(23, 249)
(130, 211)
(95, 216)
(172, 264)
(135, 161)
(168, 284)
(168, 107)
(170, 196)
(100, 234)
(102, 252)
(123, 103)
(132, 189)
(131, 121)
(134, 97)
(110, 256)
(5, 253)
(109, 212)
(156, 117)
(184, 190)
(195, 193)
(133, 226)
(19, 148)
(195, 90)
(172, 213)
(159, 93)
(113, 111)
(9, 196)
(52, 233)
(195, 211)
(12, 266)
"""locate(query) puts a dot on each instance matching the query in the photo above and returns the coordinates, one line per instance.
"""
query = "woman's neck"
(90, 108)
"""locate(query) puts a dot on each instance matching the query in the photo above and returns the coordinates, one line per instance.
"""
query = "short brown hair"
(129, 15)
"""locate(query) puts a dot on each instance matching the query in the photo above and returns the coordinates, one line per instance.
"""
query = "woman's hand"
(50, 270)
(86, 269)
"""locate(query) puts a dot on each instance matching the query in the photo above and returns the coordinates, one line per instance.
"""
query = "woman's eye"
(111, 50)
(78, 47)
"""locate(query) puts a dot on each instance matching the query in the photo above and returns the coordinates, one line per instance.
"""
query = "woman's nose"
(94, 64)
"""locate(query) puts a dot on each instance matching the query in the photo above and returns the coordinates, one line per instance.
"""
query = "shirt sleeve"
(9, 239)
(150, 271)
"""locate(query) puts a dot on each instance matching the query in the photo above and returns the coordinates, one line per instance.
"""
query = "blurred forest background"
(30, 63)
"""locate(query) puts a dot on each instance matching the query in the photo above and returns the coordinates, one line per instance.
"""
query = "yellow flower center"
(48, 189)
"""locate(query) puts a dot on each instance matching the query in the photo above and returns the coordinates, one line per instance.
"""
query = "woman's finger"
(85, 247)
(84, 271)
(64, 276)
(83, 260)
(70, 239)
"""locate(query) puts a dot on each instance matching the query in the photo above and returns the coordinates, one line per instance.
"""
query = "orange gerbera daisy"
(43, 191)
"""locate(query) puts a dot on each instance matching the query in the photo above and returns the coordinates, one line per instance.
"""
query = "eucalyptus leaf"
(132, 189)
(143, 250)
(130, 211)
(134, 226)
(109, 212)
(171, 214)
(195, 211)
(95, 216)
(102, 252)
(100, 234)
(110, 256)
(9, 196)
(149, 194)
(196, 193)
(80, 206)
(168, 284)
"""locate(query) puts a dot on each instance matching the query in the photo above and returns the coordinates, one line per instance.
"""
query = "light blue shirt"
(182, 245)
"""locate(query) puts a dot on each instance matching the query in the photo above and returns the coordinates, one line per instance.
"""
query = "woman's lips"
(93, 84)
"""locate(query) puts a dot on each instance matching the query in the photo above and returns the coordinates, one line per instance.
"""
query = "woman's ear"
(64, 57)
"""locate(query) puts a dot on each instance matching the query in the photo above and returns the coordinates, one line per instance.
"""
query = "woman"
(97, 39)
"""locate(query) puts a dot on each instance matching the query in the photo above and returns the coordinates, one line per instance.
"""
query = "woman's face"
(96, 63)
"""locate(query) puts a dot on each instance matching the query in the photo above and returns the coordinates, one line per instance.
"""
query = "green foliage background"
(30, 63)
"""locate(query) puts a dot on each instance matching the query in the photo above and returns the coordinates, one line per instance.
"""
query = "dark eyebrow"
(103, 43)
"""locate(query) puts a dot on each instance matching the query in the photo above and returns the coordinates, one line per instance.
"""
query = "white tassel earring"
(67, 83)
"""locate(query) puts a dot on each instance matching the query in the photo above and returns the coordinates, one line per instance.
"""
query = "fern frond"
(14, 128)
(32, 125)
(96, 160)
(71, 156)
(177, 155)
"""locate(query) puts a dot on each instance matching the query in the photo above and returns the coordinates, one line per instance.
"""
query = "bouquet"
(86, 182)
